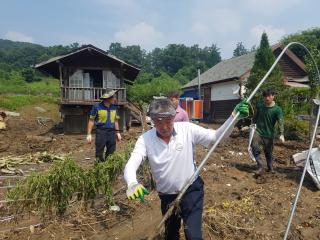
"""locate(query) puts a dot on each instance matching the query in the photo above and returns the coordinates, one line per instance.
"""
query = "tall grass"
(17, 102)
(18, 86)
(15, 92)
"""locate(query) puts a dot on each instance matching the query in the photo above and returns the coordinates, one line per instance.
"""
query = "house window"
(93, 78)
(202, 93)
(75, 83)
(110, 80)
(76, 79)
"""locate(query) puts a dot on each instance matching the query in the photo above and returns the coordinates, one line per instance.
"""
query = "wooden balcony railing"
(88, 95)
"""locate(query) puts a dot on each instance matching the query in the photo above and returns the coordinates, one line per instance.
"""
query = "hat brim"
(107, 97)
(110, 96)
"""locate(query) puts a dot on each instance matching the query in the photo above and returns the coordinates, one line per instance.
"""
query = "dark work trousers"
(105, 138)
(262, 144)
(191, 207)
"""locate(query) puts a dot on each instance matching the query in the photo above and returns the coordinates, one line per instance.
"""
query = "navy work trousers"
(191, 207)
(105, 138)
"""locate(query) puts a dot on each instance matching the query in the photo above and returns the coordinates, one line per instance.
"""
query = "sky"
(155, 23)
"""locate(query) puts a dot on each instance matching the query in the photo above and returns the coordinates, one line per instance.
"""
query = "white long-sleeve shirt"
(171, 164)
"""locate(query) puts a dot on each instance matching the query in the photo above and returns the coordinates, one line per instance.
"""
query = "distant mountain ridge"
(23, 54)
(7, 45)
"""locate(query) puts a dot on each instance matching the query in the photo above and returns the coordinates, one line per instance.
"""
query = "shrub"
(295, 129)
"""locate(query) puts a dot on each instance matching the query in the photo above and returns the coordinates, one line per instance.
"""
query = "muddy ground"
(238, 205)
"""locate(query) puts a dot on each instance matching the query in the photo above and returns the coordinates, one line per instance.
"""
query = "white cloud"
(270, 7)
(200, 28)
(274, 34)
(209, 21)
(142, 33)
(18, 36)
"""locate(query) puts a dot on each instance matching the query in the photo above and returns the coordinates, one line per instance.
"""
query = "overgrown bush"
(295, 129)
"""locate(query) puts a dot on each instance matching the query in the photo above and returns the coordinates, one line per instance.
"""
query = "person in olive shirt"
(267, 114)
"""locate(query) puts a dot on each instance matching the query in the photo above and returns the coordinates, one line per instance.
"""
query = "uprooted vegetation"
(51, 191)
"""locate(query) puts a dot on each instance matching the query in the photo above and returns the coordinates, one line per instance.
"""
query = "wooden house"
(85, 74)
(220, 84)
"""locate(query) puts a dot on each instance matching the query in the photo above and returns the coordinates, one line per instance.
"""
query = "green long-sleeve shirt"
(266, 118)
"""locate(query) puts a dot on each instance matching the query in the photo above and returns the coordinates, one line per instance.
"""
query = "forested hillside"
(23, 55)
(16, 72)
(163, 69)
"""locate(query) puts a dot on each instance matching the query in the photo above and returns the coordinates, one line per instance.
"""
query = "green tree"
(211, 55)
(171, 59)
(162, 84)
(264, 59)
(28, 75)
(239, 50)
(310, 38)
(185, 74)
(115, 49)
(174, 57)
(144, 77)
(132, 54)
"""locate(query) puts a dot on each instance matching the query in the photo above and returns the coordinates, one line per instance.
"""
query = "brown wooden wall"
(221, 110)
(288, 67)
(206, 103)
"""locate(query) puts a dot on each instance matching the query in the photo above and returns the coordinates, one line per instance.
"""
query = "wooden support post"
(61, 79)
(123, 119)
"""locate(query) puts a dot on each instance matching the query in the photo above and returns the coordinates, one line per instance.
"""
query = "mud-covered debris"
(8, 164)
(3, 119)
(40, 109)
(32, 138)
(12, 114)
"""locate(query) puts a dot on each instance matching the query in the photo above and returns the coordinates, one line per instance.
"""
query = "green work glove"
(136, 190)
(242, 108)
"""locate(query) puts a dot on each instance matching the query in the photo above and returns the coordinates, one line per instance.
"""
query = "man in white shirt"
(169, 148)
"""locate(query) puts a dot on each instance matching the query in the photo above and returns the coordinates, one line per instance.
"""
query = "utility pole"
(199, 85)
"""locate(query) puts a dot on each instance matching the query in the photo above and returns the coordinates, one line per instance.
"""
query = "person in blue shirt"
(104, 116)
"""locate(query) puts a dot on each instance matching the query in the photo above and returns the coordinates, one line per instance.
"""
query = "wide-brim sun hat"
(108, 94)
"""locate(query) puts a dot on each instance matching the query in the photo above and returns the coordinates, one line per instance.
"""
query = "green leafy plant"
(51, 191)
(295, 129)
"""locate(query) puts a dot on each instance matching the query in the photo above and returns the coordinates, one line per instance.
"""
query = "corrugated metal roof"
(227, 69)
